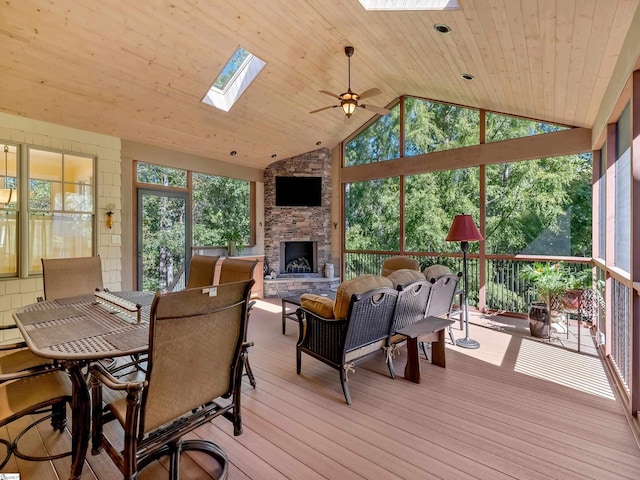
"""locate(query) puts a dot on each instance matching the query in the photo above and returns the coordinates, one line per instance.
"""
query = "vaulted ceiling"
(138, 70)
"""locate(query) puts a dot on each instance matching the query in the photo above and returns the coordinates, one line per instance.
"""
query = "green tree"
(221, 210)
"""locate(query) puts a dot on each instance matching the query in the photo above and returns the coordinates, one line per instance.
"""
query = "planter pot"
(539, 320)
(571, 299)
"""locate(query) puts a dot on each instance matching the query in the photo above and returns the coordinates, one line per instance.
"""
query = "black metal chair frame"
(331, 341)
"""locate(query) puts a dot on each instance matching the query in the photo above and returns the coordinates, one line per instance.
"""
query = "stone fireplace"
(297, 239)
(298, 257)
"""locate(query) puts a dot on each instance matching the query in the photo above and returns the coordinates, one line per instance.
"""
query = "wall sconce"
(109, 218)
(335, 225)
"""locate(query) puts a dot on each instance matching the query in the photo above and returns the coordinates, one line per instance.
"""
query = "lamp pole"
(464, 230)
(466, 342)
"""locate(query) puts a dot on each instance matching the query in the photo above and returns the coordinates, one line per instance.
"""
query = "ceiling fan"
(349, 100)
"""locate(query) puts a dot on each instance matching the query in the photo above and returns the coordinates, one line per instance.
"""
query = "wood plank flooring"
(517, 408)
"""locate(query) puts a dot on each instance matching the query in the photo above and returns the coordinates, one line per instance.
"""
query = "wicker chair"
(194, 375)
(411, 307)
(443, 292)
(29, 391)
(71, 277)
(349, 330)
(235, 270)
(202, 269)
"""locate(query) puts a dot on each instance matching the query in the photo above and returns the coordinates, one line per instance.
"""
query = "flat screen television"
(298, 191)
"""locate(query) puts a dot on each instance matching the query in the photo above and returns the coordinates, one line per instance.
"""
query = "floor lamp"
(464, 230)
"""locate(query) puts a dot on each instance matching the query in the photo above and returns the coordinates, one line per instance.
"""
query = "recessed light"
(318, 142)
(467, 76)
(442, 28)
(233, 152)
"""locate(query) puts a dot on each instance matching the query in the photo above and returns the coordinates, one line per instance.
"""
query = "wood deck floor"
(516, 408)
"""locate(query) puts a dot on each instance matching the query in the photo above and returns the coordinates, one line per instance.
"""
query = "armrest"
(323, 336)
(11, 346)
(101, 374)
(29, 372)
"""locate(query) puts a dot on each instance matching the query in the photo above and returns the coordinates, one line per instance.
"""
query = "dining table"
(79, 330)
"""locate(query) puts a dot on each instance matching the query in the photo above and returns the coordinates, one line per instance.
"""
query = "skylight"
(410, 4)
(238, 73)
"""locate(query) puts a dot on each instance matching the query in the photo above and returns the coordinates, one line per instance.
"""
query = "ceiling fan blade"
(329, 93)
(372, 92)
(324, 108)
(378, 110)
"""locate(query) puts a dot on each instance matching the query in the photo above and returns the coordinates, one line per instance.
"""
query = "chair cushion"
(435, 271)
(321, 306)
(361, 284)
(404, 276)
(398, 262)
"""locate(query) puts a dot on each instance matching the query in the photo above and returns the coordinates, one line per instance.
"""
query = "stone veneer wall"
(298, 223)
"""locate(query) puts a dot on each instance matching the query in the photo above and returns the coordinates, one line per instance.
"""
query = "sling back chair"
(30, 391)
(234, 270)
(71, 277)
(202, 269)
(194, 374)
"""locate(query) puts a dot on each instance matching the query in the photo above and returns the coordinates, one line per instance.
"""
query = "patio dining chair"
(29, 387)
(202, 269)
(234, 270)
(71, 277)
(194, 375)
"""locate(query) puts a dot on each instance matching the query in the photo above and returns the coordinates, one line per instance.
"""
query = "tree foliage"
(537, 207)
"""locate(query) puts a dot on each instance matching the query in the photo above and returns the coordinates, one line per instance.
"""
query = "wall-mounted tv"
(298, 191)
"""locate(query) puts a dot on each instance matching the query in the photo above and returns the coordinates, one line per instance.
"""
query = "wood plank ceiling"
(138, 70)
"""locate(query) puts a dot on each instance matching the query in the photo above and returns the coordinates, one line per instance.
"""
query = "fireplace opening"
(298, 257)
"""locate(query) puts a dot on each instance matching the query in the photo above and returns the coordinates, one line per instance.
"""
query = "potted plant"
(550, 281)
(233, 243)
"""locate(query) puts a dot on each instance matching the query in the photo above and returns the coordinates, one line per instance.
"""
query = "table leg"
(284, 316)
(437, 350)
(412, 368)
(80, 419)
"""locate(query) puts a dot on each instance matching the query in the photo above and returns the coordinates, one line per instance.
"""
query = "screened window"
(432, 126)
(61, 206)
(622, 232)
(221, 210)
(431, 201)
(540, 207)
(378, 142)
(159, 175)
(505, 127)
(602, 204)
(372, 215)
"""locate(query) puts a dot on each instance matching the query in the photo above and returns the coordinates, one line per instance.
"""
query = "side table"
(430, 329)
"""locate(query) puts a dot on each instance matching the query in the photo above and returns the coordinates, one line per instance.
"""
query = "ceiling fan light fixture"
(348, 106)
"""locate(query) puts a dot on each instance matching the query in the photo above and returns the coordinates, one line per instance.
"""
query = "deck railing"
(505, 290)
(620, 335)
